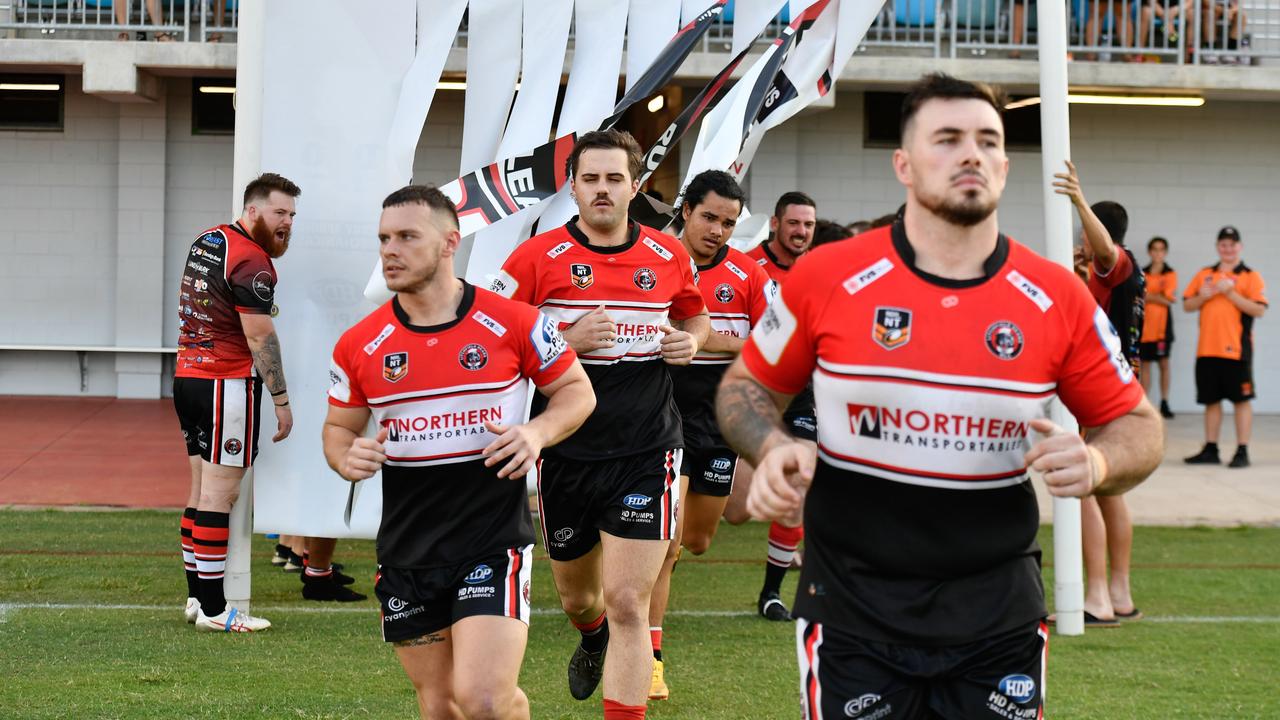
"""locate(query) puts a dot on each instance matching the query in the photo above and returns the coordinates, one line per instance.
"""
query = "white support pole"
(1055, 143)
(250, 42)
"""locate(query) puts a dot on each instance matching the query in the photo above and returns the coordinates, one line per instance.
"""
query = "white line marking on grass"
(7, 608)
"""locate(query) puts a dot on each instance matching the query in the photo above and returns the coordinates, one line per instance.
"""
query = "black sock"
(210, 539)
(773, 575)
(596, 640)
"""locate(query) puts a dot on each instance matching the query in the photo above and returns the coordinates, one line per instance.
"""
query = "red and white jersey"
(925, 388)
(226, 274)
(434, 388)
(643, 284)
(765, 258)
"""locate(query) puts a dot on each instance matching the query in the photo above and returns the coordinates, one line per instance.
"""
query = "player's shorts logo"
(525, 591)
(1004, 340)
(263, 286)
(473, 356)
(1018, 688)
(480, 574)
(892, 328)
(581, 275)
(563, 534)
(636, 501)
(721, 464)
(232, 446)
(724, 292)
(645, 279)
(854, 707)
(395, 366)
(395, 604)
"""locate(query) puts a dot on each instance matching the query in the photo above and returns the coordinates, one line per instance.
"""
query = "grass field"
(1210, 647)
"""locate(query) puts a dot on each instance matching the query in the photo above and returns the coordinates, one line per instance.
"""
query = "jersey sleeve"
(545, 355)
(687, 301)
(253, 284)
(781, 351)
(517, 280)
(762, 290)
(344, 381)
(1193, 287)
(1118, 273)
(1096, 383)
(1171, 286)
(1255, 289)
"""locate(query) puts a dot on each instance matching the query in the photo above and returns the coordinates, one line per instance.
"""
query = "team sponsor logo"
(693, 266)
(1033, 292)
(1004, 340)
(441, 426)
(212, 238)
(637, 501)
(547, 341)
(195, 250)
(198, 267)
(395, 366)
(1111, 342)
(481, 573)
(892, 328)
(742, 275)
(858, 705)
(339, 389)
(1018, 688)
(503, 284)
(662, 252)
(494, 326)
(232, 447)
(473, 356)
(558, 250)
(395, 604)
(201, 285)
(374, 343)
(563, 535)
(645, 279)
(580, 274)
(263, 286)
(950, 301)
(865, 276)
(724, 293)
(635, 516)
(774, 330)
(721, 464)
(938, 430)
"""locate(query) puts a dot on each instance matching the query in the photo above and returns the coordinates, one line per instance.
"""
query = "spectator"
(1118, 288)
(1157, 323)
(858, 227)
(122, 9)
(1229, 295)
(827, 231)
(1222, 25)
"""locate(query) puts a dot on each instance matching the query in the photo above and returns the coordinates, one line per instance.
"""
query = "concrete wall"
(1181, 173)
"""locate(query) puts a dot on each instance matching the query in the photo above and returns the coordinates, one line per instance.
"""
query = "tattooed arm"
(750, 416)
(264, 345)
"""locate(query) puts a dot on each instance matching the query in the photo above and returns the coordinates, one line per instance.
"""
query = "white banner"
(493, 65)
(650, 25)
(327, 110)
(750, 18)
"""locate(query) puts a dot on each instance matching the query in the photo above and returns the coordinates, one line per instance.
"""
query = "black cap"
(1229, 232)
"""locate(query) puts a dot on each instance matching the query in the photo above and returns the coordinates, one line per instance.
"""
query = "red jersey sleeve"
(1096, 383)
(762, 290)
(544, 353)
(687, 301)
(1118, 273)
(518, 278)
(781, 352)
(253, 283)
(344, 380)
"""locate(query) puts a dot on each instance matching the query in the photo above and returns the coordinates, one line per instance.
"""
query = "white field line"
(369, 609)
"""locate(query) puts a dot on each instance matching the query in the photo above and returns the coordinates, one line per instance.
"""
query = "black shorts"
(710, 470)
(419, 602)
(1151, 351)
(1219, 379)
(219, 418)
(842, 675)
(632, 497)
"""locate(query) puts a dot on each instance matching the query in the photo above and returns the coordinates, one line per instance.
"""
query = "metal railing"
(1168, 31)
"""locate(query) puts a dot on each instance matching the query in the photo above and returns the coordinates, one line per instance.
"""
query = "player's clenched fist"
(1070, 468)
(780, 482)
(593, 331)
(365, 457)
(678, 346)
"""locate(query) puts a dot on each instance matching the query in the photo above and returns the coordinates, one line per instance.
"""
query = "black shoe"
(1241, 458)
(770, 607)
(327, 589)
(282, 555)
(585, 669)
(294, 564)
(1206, 456)
(1165, 412)
(340, 577)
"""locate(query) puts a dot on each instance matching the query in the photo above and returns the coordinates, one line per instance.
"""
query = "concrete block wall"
(1181, 173)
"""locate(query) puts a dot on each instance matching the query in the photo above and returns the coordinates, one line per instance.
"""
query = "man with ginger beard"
(227, 352)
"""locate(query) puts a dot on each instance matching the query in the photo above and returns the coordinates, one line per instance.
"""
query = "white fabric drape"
(650, 24)
(493, 66)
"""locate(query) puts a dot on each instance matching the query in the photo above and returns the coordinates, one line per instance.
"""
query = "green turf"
(111, 663)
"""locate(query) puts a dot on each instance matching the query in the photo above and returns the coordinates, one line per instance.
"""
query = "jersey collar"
(240, 229)
(769, 254)
(990, 266)
(464, 307)
(633, 234)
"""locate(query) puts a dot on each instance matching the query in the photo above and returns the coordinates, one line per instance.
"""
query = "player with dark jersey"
(625, 298)
(736, 292)
(935, 347)
(443, 370)
(227, 352)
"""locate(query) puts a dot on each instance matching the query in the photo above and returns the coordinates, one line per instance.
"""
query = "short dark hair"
(945, 87)
(263, 185)
(885, 220)
(1157, 240)
(1114, 219)
(795, 197)
(826, 231)
(428, 195)
(713, 181)
(611, 139)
